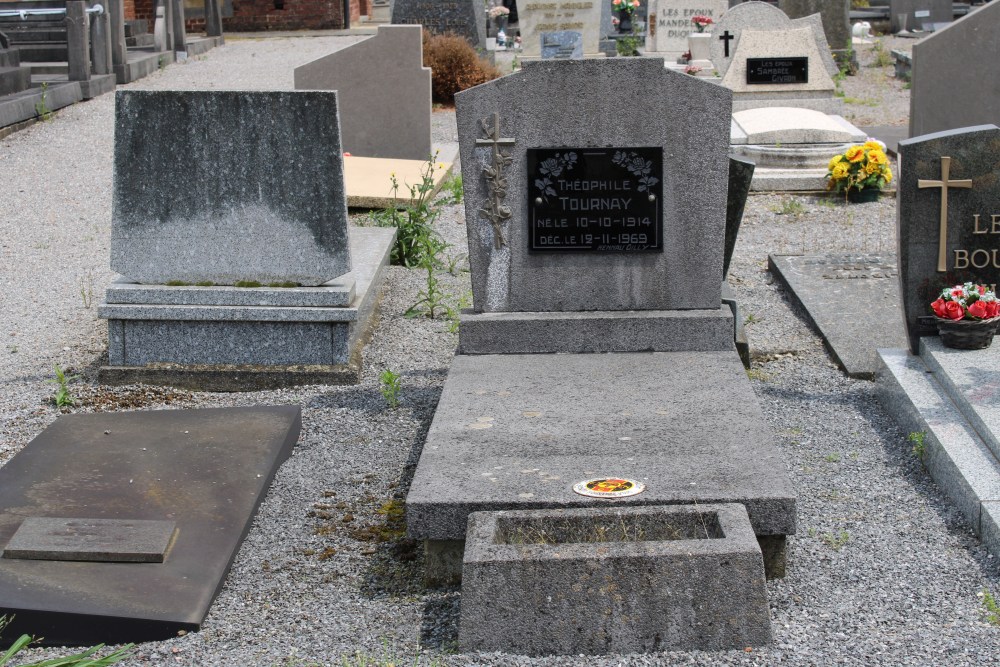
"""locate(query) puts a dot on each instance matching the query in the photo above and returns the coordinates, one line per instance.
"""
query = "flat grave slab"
(368, 180)
(518, 431)
(840, 293)
(204, 470)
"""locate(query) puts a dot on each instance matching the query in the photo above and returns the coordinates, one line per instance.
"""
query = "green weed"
(990, 608)
(42, 106)
(391, 384)
(835, 542)
(87, 290)
(832, 458)
(452, 189)
(415, 235)
(919, 445)
(85, 658)
(62, 398)
(882, 57)
(789, 207)
(751, 319)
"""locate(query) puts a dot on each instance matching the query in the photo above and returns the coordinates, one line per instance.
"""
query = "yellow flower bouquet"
(860, 167)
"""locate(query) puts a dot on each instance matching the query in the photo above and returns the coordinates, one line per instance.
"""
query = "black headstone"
(465, 18)
(946, 245)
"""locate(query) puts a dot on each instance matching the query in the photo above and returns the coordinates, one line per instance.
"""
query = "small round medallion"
(609, 487)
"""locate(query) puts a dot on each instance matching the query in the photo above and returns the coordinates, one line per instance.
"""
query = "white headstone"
(670, 23)
(555, 18)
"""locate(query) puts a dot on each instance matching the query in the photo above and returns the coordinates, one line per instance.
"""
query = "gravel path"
(882, 572)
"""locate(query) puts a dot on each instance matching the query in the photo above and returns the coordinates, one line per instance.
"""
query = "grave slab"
(668, 578)
(368, 180)
(206, 470)
(511, 432)
(839, 294)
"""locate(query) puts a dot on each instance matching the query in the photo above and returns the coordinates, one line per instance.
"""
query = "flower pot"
(624, 21)
(865, 196)
(967, 334)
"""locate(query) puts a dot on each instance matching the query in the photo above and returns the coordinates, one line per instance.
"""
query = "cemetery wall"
(254, 15)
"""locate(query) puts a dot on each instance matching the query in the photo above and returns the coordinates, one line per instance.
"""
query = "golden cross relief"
(944, 184)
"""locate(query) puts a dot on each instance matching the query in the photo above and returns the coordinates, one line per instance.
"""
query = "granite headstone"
(948, 218)
(763, 16)
(836, 16)
(466, 18)
(539, 21)
(384, 93)
(621, 202)
(949, 91)
(915, 15)
(670, 23)
(224, 187)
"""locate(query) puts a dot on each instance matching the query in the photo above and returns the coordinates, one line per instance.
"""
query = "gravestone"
(230, 231)
(547, 27)
(465, 18)
(384, 93)
(948, 92)
(761, 16)
(152, 541)
(670, 24)
(948, 218)
(836, 16)
(916, 15)
(598, 257)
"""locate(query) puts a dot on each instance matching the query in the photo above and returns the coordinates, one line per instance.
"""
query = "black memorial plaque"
(777, 70)
(603, 199)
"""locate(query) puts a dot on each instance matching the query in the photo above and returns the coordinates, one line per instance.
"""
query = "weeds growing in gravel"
(835, 542)
(414, 222)
(789, 207)
(87, 290)
(62, 398)
(990, 608)
(832, 458)
(83, 659)
(751, 319)
(42, 106)
(391, 384)
(882, 57)
(919, 446)
(452, 189)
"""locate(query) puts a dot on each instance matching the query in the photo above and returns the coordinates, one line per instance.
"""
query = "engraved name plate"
(777, 70)
(595, 199)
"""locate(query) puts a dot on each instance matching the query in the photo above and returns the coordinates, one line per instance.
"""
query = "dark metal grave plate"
(98, 540)
(595, 199)
(205, 470)
(777, 70)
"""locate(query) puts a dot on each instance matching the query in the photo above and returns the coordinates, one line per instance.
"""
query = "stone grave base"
(203, 471)
(195, 46)
(516, 432)
(613, 580)
(946, 400)
(790, 147)
(22, 106)
(140, 63)
(243, 339)
(823, 102)
(369, 179)
(839, 294)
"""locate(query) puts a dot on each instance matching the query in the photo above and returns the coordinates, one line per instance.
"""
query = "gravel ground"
(882, 572)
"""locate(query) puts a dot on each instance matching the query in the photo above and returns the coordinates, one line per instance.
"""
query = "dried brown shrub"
(455, 66)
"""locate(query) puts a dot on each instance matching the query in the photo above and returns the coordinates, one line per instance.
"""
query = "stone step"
(949, 447)
(23, 106)
(41, 34)
(44, 53)
(141, 41)
(10, 58)
(14, 80)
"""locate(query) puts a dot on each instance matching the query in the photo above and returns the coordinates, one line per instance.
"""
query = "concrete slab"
(206, 470)
(839, 293)
(97, 540)
(517, 431)
(368, 180)
(954, 454)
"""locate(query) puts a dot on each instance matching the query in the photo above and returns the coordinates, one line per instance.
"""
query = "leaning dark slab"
(852, 299)
(205, 470)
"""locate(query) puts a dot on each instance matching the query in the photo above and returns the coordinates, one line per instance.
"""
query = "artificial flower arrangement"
(496, 12)
(701, 22)
(628, 6)
(966, 302)
(860, 167)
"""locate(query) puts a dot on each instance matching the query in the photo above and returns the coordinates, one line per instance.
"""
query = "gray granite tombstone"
(948, 89)
(466, 18)
(836, 19)
(224, 187)
(384, 93)
(914, 15)
(949, 218)
(515, 116)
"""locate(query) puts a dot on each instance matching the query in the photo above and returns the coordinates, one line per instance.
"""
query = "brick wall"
(255, 15)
